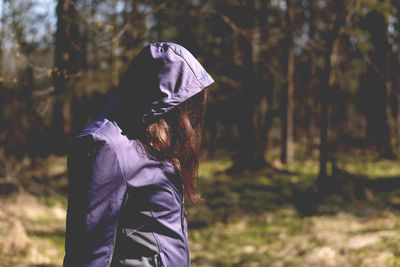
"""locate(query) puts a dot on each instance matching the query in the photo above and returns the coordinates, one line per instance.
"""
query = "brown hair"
(176, 137)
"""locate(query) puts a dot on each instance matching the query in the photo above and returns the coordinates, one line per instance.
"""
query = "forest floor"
(273, 217)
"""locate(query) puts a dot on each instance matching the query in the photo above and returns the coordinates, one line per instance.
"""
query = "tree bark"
(66, 62)
(287, 152)
(2, 41)
(391, 142)
(328, 82)
(377, 89)
(397, 77)
(250, 154)
(114, 46)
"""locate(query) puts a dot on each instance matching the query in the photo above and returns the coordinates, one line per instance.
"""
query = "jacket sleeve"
(95, 192)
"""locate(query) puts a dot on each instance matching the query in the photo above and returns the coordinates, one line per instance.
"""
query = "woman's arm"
(95, 192)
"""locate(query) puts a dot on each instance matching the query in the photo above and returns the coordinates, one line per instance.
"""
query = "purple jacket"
(125, 208)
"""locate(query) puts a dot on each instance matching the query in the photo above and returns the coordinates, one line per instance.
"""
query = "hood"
(162, 76)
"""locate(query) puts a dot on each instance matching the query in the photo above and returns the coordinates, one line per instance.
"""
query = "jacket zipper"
(183, 213)
(182, 217)
(183, 210)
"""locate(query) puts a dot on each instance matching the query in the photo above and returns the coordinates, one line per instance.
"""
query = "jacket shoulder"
(100, 129)
(101, 137)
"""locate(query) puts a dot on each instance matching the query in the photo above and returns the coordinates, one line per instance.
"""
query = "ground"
(274, 217)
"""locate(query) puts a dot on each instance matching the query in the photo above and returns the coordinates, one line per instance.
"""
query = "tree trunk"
(327, 83)
(287, 152)
(2, 41)
(376, 92)
(397, 77)
(66, 62)
(312, 84)
(114, 47)
(391, 142)
(250, 154)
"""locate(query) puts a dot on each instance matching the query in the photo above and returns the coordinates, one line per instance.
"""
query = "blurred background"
(300, 162)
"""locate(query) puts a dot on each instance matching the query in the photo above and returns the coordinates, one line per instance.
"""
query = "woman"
(130, 169)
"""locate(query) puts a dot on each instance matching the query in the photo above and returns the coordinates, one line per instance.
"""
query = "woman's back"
(126, 194)
(130, 191)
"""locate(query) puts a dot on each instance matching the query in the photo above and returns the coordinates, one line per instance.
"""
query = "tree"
(287, 152)
(333, 36)
(376, 89)
(67, 62)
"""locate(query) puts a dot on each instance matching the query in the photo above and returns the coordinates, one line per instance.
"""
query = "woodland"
(300, 162)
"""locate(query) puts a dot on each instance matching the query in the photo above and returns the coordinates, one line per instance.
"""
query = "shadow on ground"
(229, 196)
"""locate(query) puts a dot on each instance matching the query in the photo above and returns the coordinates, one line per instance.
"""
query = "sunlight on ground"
(31, 232)
(283, 239)
(250, 219)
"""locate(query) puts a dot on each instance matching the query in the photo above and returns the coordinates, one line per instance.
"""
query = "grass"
(264, 218)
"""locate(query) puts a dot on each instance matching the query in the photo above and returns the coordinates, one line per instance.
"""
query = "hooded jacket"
(126, 208)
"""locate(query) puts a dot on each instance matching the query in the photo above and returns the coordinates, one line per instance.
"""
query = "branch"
(227, 20)
(228, 80)
(115, 38)
(272, 41)
(118, 35)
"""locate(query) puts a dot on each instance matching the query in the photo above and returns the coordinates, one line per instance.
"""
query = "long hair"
(176, 138)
